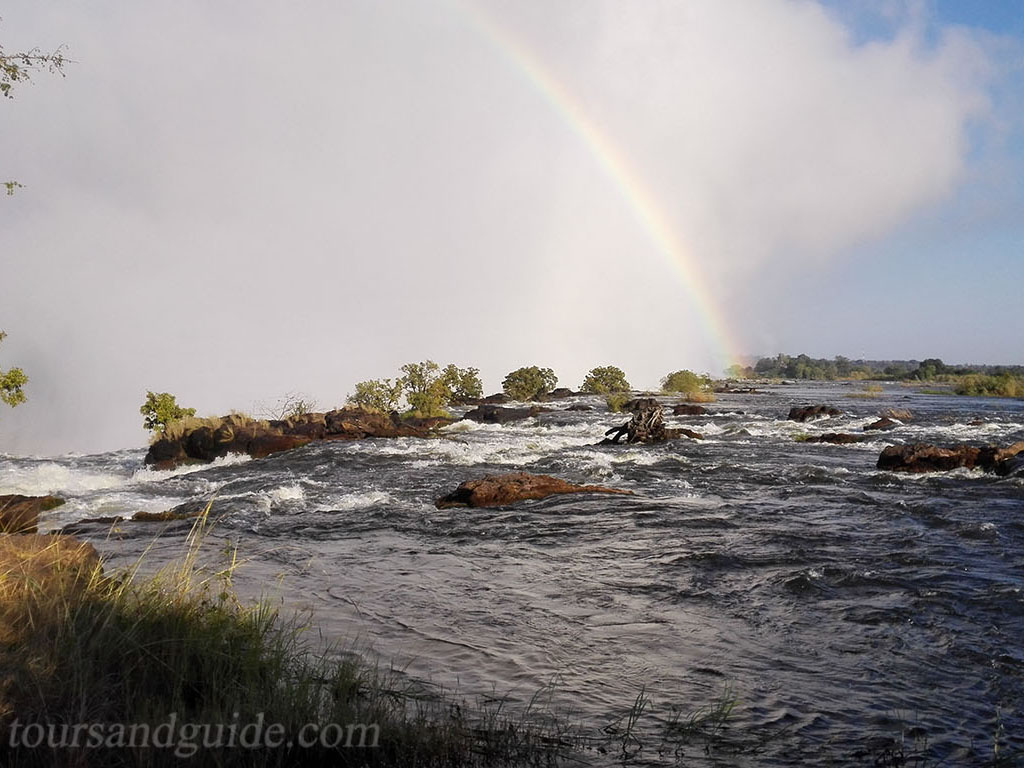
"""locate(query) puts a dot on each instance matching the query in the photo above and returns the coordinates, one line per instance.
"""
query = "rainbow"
(721, 344)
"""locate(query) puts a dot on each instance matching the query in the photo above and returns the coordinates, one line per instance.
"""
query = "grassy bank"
(103, 671)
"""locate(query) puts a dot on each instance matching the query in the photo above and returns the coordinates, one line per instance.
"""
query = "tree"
(377, 395)
(12, 383)
(17, 68)
(426, 390)
(686, 382)
(463, 384)
(161, 409)
(604, 380)
(529, 383)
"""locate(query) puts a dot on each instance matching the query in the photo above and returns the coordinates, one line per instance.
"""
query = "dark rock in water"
(737, 391)
(20, 514)
(1012, 467)
(837, 438)
(429, 422)
(922, 457)
(899, 414)
(884, 424)
(580, 407)
(499, 490)
(209, 439)
(810, 412)
(493, 414)
(688, 409)
(1010, 461)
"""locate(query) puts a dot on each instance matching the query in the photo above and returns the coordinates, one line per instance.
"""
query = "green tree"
(380, 395)
(463, 384)
(161, 409)
(686, 382)
(604, 380)
(529, 383)
(426, 389)
(12, 383)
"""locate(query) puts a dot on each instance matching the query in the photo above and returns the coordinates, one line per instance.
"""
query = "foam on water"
(48, 477)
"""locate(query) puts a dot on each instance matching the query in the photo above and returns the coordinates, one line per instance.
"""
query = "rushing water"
(852, 615)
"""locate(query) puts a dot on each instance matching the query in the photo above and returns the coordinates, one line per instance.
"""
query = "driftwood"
(646, 426)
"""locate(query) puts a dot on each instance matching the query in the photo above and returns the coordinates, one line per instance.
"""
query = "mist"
(234, 202)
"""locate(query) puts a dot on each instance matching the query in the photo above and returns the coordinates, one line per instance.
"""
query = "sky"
(234, 201)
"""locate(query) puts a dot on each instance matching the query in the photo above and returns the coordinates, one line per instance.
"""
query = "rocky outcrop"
(20, 514)
(884, 424)
(811, 412)
(493, 414)
(688, 409)
(673, 433)
(560, 393)
(495, 399)
(836, 438)
(208, 439)
(500, 490)
(923, 457)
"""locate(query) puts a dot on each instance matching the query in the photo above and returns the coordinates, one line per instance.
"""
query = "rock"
(1012, 467)
(837, 438)
(899, 414)
(20, 514)
(687, 409)
(499, 490)
(580, 407)
(493, 414)
(737, 391)
(184, 511)
(498, 398)
(922, 457)
(210, 439)
(884, 424)
(810, 412)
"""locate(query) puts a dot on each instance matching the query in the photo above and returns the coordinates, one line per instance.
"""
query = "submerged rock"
(20, 514)
(810, 412)
(203, 440)
(499, 490)
(883, 424)
(837, 438)
(688, 409)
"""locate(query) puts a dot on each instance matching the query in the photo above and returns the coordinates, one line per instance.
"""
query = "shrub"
(601, 381)
(463, 384)
(161, 409)
(380, 395)
(529, 383)
(12, 384)
(982, 385)
(686, 382)
(616, 401)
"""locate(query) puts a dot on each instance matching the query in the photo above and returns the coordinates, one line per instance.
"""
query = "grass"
(699, 396)
(80, 647)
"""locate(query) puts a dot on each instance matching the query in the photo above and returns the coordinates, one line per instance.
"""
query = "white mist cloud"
(234, 201)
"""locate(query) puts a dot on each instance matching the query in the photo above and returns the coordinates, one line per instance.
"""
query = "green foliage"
(603, 380)
(616, 401)
(426, 389)
(980, 385)
(162, 409)
(380, 395)
(463, 384)
(12, 384)
(686, 382)
(529, 383)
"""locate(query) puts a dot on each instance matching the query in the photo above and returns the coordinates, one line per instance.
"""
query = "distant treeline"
(804, 367)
